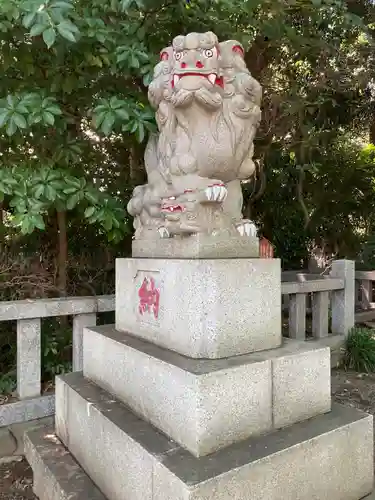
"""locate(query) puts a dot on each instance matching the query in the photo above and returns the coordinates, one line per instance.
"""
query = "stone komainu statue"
(207, 111)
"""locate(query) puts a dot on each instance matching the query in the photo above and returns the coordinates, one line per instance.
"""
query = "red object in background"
(149, 297)
(265, 249)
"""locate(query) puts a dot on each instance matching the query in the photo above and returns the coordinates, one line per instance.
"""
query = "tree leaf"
(49, 37)
(51, 193)
(11, 127)
(92, 196)
(72, 201)
(48, 118)
(67, 30)
(39, 190)
(4, 115)
(108, 122)
(134, 62)
(19, 120)
(89, 211)
(55, 110)
(122, 113)
(61, 5)
(38, 221)
(38, 29)
(27, 21)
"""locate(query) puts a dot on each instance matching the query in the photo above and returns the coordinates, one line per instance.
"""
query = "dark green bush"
(360, 350)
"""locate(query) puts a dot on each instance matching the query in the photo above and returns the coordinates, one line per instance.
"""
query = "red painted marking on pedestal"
(265, 249)
(149, 297)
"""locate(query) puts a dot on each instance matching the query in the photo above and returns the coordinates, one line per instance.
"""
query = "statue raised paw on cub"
(207, 111)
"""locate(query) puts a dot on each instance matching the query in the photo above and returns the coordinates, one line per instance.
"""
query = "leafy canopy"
(74, 114)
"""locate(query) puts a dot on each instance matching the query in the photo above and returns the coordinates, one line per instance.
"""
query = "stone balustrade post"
(80, 321)
(343, 301)
(28, 357)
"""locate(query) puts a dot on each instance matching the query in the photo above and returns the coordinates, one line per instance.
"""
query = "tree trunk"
(62, 254)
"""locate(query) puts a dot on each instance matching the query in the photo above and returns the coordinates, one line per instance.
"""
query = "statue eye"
(208, 53)
(178, 55)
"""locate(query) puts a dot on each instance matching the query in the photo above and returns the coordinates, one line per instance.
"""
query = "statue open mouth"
(172, 208)
(211, 77)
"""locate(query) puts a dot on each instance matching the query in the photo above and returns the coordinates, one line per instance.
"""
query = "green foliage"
(73, 102)
(56, 349)
(56, 353)
(8, 383)
(338, 200)
(360, 350)
(33, 192)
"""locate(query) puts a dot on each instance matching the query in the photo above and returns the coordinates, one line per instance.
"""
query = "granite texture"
(57, 476)
(26, 410)
(208, 404)
(301, 386)
(201, 308)
(328, 457)
(343, 301)
(103, 436)
(61, 306)
(80, 321)
(203, 412)
(28, 357)
(198, 246)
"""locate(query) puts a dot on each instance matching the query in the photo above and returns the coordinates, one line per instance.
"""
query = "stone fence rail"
(329, 299)
(28, 314)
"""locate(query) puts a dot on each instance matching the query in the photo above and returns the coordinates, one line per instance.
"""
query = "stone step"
(328, 457)
(57, 476)
(206, 405)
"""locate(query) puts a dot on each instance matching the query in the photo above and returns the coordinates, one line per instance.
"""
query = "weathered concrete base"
(327, 457)
(205, 405)
(199, 246)
(12, 438)
(201, 308)
(57, 476)
(27, 409)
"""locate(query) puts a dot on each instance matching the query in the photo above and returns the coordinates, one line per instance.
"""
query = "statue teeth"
(212, 78)
(176, 79)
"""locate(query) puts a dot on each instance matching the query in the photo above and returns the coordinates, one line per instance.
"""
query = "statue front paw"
(163, 232)
(216, 193)
(247, 228)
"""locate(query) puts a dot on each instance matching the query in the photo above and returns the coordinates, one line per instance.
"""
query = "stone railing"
(364, 295)
(332, 295)
(324, 297)
(28, 314)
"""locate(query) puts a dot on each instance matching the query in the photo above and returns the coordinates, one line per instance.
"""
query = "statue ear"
(164, 56)
(238, 49)
(231, 48)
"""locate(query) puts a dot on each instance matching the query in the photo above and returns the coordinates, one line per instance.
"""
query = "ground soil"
(16, 479)
(349, 388)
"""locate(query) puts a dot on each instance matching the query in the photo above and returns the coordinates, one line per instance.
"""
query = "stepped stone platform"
(152, 418)
(194, 401)
(328, 456)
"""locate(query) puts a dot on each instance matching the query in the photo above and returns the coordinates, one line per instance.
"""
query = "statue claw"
(247, 228)
(163, 232)
(216, 193)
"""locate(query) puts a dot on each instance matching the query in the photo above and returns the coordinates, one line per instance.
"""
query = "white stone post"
(297, 316)
(343, 301)
(366, 293)
(28, 357)
(320, 309)
(79, 323)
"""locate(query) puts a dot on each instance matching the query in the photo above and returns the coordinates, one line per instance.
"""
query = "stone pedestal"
(201, 308)
(193, 395)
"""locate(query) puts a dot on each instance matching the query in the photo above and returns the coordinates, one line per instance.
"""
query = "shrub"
(360, 350)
